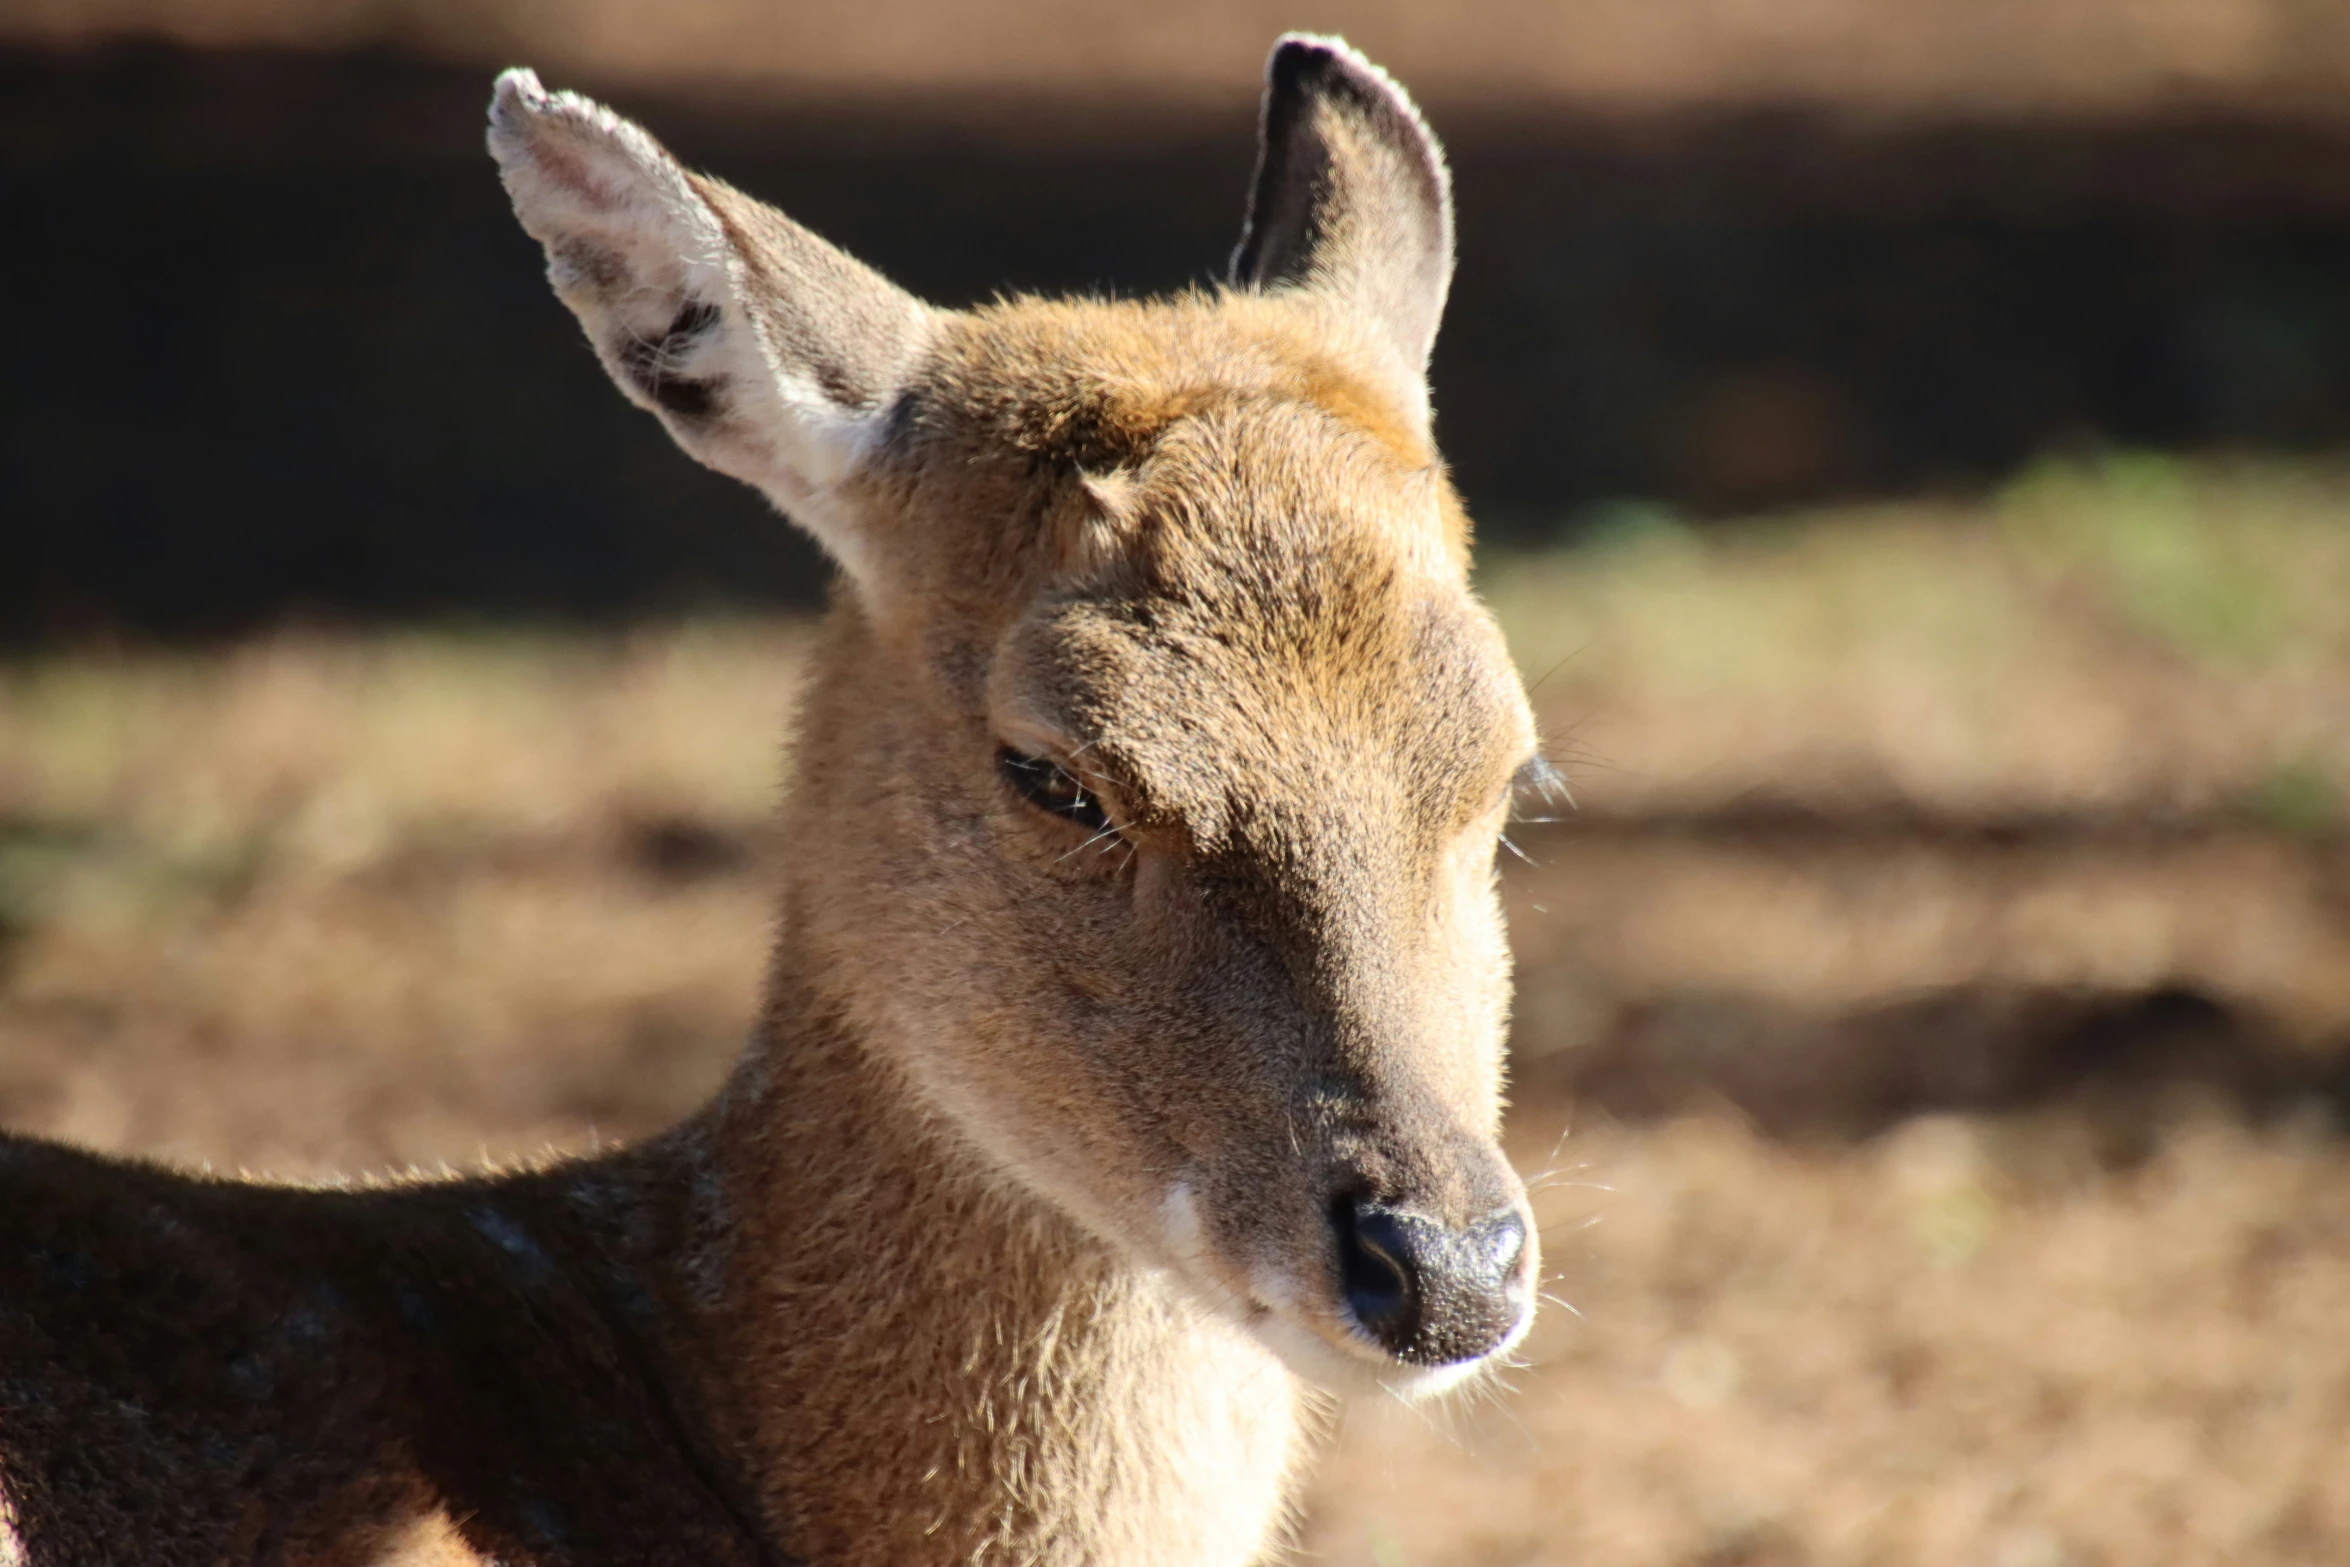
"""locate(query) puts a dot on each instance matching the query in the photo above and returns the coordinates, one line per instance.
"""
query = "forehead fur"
(1282, 684)
(1210, 411)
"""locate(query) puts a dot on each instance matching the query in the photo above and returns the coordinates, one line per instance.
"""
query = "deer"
(1128, 1080)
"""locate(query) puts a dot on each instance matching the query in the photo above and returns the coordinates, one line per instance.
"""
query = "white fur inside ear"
(644, 262)
(535, 133)
(581, 176)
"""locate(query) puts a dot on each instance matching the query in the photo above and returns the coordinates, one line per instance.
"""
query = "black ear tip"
(1324, 66)
(1303, 56)
(1299, 45)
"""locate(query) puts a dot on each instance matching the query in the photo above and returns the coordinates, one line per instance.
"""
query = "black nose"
(1431, 1294)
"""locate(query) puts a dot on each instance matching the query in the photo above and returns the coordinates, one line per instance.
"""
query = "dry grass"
(316, 902)
(1945, 984)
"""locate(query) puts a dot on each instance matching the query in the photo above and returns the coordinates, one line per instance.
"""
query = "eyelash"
(1052, 789)
(1538, 783)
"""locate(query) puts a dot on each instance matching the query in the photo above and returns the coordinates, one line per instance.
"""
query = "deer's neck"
(910, 1362)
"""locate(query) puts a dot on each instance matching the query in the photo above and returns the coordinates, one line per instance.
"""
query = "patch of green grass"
(2235, 565)
(34, 858)
(1768, 604)
(2125, 633)
(2301, 799)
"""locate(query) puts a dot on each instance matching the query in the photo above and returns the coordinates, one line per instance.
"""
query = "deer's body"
(1130, 1062)
(579, 1363)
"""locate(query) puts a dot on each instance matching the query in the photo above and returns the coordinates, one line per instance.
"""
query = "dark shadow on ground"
(2129, 1059)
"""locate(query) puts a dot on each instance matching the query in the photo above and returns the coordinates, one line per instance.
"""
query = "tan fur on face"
(1287, 976)
(1015, 1235)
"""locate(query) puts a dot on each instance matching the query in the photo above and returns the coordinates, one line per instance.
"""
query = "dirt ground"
(1932, 1060)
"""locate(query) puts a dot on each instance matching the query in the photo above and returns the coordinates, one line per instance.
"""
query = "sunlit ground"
(1933, 1052)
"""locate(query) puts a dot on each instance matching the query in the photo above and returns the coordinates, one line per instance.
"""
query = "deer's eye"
(1050, 788)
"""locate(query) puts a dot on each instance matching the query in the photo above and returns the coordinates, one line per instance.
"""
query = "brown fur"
(1010, 1237)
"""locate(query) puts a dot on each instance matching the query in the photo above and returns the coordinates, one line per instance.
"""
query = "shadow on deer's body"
(1131, 1058)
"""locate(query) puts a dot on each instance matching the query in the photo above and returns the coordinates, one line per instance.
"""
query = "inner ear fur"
(1351, 202)
(768, 354)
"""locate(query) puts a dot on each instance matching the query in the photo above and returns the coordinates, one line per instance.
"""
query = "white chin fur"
(1314, 1359)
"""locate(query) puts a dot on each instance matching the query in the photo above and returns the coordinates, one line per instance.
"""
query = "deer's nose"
(1429, 1293)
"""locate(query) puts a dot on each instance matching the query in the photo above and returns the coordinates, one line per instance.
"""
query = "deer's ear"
(768, 354)
(1351, 200)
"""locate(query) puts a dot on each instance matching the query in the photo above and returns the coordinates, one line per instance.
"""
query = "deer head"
(1153, 771)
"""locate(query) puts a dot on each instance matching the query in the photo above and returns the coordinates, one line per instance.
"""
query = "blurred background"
(1911, 447)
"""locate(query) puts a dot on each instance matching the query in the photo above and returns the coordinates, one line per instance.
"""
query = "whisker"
(1106, 832)
(1589, 1220)
(1577, 651)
